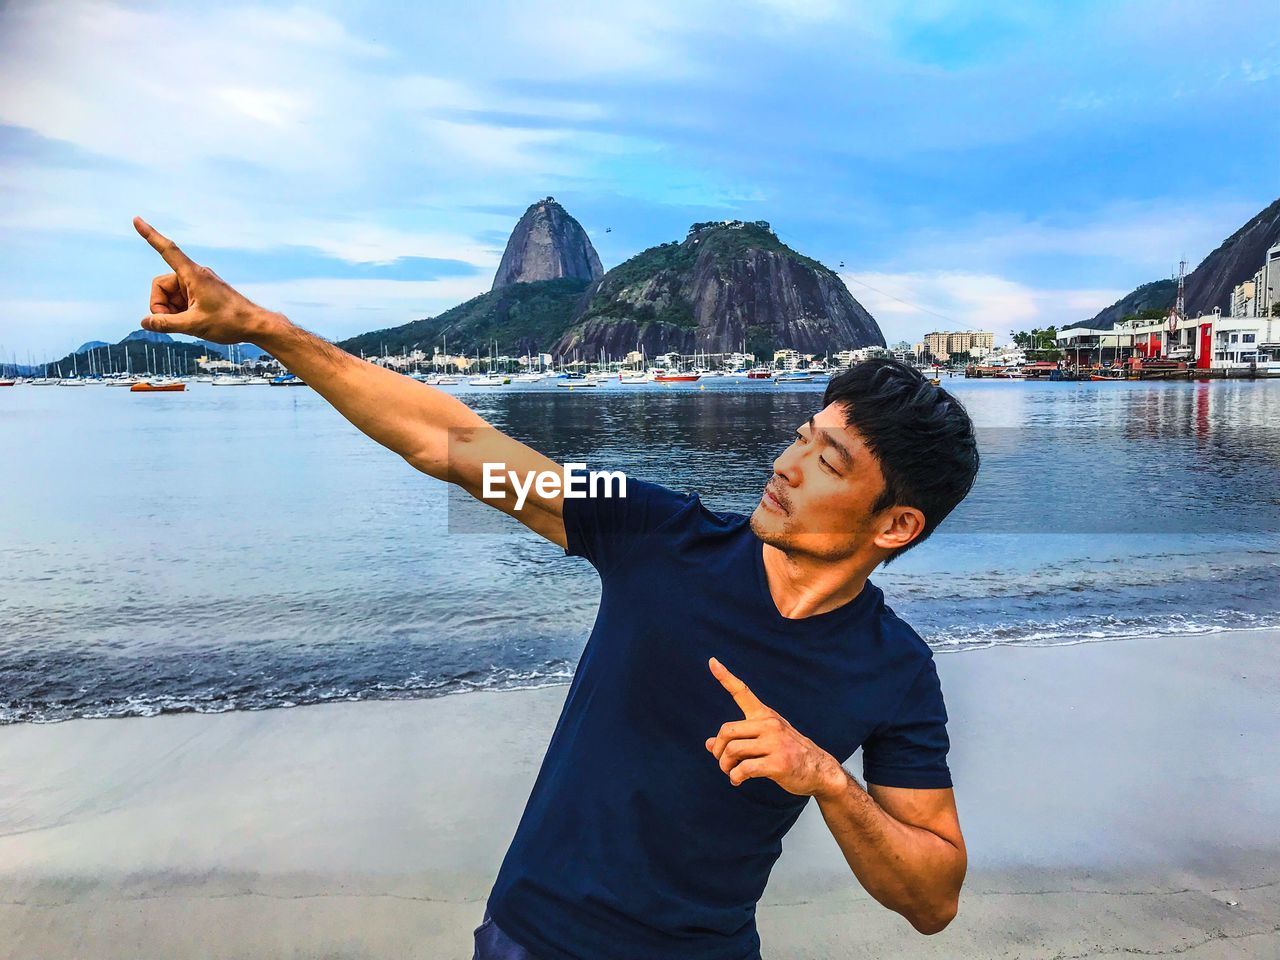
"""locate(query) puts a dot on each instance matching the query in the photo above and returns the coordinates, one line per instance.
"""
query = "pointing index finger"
(746, 700)
(173, 256)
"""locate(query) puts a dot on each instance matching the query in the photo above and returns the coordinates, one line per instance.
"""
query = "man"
(734, 665)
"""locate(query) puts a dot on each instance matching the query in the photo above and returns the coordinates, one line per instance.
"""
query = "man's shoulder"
(908, 644)
(685, 505)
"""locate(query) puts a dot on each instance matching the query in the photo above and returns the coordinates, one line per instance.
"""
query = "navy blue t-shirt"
(634, 845)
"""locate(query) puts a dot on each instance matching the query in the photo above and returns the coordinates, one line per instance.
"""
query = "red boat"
(759, 375)
(676, 377)
(144, 387)
(1107, 373)
(7, 383)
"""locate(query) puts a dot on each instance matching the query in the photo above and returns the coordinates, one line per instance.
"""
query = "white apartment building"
(786, 359)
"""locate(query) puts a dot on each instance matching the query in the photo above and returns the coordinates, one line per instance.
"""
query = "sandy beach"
(1117, 798)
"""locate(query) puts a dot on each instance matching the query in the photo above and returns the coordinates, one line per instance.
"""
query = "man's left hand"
(764, 744)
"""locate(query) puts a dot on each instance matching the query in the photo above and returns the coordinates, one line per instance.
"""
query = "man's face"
(818, 501)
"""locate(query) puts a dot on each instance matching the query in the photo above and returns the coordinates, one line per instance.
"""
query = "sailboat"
(491, 379)
(635, 376)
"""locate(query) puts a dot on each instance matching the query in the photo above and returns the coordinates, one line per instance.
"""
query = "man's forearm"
(408, 417)
(906, 868)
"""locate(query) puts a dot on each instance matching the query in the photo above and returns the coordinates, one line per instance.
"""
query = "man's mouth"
(773, 502)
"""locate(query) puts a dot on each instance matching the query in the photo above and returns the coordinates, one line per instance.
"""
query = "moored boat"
(158, 386)
(1107, 373)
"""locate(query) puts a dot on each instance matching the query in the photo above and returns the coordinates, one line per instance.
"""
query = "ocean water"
(247, 548)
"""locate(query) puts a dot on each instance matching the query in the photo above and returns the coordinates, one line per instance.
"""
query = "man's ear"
(900, 526)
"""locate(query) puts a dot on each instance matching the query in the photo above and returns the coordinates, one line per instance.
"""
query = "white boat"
(258, 382)
(793, 376)
(491, 381)
(73, 382)
(121, 381)
(572, 382)
(526, 377)
(43, 381)
(632, 377)
(230, 381)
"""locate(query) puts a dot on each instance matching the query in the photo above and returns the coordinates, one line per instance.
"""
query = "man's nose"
(787, 466)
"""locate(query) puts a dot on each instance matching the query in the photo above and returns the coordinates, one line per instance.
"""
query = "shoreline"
(422, 694)
(1104, 813)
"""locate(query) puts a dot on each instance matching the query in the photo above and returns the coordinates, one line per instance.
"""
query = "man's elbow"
(935, 920)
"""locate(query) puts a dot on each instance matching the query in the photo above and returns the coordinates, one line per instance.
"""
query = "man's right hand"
(435, 432)
(196, 301)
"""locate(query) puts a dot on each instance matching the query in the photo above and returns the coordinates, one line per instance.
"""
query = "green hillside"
(520, 317)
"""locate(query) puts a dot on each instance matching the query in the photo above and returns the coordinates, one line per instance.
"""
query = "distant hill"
(522, 317)
(1210, 284)
(132, 354)
(726, 284)
(142, 351)
(240, 351)
(547, 244)
(148, 336)
(1158, 295)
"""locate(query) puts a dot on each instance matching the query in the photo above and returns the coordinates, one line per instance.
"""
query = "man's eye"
(800, 437)
(828, 466)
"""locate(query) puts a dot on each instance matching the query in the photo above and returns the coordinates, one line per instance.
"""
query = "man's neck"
(803, 586)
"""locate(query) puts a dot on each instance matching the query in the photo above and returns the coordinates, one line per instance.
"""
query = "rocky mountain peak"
(547, 244)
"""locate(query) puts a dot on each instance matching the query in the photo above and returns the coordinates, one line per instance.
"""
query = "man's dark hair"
(920, 434)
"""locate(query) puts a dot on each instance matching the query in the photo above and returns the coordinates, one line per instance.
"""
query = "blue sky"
(359, 165)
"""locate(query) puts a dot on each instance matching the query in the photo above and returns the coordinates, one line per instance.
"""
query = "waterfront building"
(1208, 342)
(786, 359)
(844, 359)
(942, 345)
(1247, 340)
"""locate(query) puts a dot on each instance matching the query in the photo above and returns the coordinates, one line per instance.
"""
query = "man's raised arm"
(435, 432)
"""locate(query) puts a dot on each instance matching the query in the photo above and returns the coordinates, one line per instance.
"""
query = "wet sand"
(1117, 798)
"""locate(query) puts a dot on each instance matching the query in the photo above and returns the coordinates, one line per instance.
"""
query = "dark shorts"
(493, 944)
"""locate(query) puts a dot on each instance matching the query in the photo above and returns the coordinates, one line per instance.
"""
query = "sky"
(358, 165)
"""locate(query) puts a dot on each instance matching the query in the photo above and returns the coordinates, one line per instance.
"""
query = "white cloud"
(332, 308)
(909, 305)
(51, 328)
(294, 92)
(342, 308)
(1146, 237)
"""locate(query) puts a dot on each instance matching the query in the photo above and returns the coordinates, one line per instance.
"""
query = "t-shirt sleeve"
(911, 749)
(603, 528)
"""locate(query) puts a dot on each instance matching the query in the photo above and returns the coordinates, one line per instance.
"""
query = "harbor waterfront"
(217, 550)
